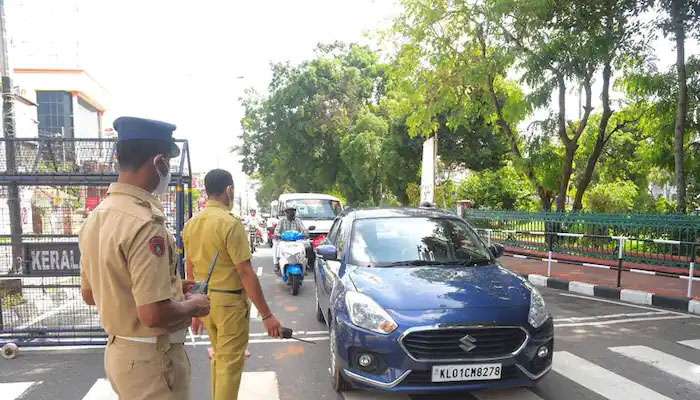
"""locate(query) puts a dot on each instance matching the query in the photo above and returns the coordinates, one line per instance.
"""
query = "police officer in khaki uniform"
(128, 269)
(233, 282)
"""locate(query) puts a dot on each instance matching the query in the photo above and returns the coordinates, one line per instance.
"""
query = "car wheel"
(338, 382)
(319, 313)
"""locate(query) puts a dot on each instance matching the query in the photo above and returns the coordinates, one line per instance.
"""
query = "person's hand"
(197, 326)
(187, 286)
(273, 326)
(200, 303)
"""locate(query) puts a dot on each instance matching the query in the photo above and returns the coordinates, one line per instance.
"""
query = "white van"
(313, 209)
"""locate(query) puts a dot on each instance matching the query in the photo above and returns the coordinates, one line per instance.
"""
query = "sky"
(188, 62)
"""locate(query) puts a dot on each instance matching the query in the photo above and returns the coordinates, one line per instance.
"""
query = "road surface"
(603, 350)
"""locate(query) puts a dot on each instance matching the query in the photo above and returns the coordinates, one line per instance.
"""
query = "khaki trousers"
(145, 371)
(228, 328)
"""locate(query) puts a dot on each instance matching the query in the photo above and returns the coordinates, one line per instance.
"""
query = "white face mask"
(163, 180)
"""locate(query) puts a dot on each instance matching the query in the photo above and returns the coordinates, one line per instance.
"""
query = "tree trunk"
(682, 106)
(570, 143)
(544, 194)
(600, 142)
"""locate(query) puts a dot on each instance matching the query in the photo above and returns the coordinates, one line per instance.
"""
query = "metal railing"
(603, 251)
(57, 183)
(648, 235)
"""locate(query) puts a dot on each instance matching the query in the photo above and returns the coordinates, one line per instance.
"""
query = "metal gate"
(52, 184)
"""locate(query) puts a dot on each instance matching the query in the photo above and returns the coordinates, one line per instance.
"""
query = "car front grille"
(464, 343)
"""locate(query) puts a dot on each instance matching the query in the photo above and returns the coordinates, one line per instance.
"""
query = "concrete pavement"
(603, 349)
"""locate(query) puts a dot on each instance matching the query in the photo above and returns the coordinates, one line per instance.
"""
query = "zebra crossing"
(599, 380)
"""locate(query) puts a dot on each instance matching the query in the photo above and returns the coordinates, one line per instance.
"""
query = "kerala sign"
(50, 259)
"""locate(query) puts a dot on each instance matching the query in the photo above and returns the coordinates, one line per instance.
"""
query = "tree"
(361, 152)
(655, 94)
(321, 127)
(567, 42)
(500, 189)
(449, 75)
(683, 17)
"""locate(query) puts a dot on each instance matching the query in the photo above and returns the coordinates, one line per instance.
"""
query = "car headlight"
(538, 310)
(366, 313)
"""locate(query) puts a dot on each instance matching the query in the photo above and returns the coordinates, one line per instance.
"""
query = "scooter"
(252, 240)
(291, 250)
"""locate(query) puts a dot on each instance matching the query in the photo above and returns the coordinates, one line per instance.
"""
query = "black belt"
(237, 291)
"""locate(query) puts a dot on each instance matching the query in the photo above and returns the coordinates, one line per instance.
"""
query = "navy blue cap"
(130, 128)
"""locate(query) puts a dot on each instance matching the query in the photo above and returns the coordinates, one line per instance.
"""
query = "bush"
(503, 189)
(611, 197)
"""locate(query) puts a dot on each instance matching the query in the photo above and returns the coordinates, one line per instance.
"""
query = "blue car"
(416, 303)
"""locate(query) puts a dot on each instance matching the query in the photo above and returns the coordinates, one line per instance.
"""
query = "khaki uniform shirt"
(128, 259)
(216, 229)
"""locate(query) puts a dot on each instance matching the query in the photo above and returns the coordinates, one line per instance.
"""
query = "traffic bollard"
(620, 254)
(691, 271)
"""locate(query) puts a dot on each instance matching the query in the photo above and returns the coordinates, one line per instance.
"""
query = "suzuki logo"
(467, 343)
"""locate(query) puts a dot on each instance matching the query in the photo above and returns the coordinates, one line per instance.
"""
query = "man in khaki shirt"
(233, 281)
(129, 271)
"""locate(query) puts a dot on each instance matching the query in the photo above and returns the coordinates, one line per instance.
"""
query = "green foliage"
(503, 189)
(611, 197)
(321, 128)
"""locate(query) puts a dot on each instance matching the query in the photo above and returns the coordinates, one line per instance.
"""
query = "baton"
(203, 287)
(288, 333)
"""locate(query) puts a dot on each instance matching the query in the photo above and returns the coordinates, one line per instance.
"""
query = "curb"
(628, 295)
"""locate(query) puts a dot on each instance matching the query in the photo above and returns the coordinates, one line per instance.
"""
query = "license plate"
(467, 372)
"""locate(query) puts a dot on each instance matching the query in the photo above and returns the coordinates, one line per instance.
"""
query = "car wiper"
(414, 263)
(470, 262)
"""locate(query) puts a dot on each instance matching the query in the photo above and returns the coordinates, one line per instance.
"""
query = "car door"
(333, 266)
(323, 268)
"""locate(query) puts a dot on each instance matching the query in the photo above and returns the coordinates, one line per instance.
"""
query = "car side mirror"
(496, 250)
(312, 228)
(327, 252)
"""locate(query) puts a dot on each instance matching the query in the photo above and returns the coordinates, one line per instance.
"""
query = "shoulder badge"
(157, 245)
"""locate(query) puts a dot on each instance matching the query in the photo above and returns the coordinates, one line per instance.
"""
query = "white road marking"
(619, 303)
(14, 390)
(608, 316)
(620, 321)
(597, 379)
(316, 332)
(259, 271)
(665, 362)
(259, 385)
(259, 341)
(508, 394)
(101, 390)
(695, 343)
(519, 256)
(254, 312)
(311, 338)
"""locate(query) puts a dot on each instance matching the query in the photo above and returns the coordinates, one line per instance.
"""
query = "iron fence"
(612, 252)
(57, 183)
(665, 241)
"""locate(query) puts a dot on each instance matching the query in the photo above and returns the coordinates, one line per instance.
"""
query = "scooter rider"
(290, 223)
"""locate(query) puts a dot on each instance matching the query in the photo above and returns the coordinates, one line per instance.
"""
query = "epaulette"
(158, 214)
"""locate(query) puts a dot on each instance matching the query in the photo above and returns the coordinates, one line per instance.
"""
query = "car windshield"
(315, 208)
(386, 242)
